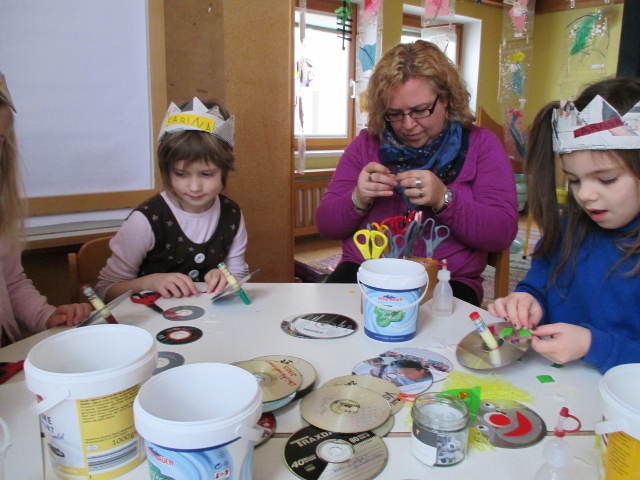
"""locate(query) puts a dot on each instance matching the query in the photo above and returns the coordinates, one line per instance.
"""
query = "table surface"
(234, 332)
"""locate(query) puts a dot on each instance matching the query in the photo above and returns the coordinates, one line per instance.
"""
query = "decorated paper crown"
(4, 92)
(196, 116)
(597, 127)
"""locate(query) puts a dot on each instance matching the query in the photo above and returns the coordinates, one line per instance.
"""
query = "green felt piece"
(557, 365)
(524, 332)
(545, 379)
(507, 331)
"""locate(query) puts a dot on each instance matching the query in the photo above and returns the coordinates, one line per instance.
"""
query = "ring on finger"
(370, 177)
(420, 194)
(418, 183)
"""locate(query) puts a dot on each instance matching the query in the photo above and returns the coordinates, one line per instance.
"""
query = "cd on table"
(387, 390)
(473, 353)
(324, 325)
(307, 370)
(276, 380)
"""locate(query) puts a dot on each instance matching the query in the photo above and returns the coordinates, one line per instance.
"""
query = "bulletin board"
(89, 85)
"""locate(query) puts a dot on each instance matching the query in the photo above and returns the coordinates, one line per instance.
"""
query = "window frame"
(333, 143)
(413, 21)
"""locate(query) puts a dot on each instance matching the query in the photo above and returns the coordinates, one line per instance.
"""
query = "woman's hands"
(423, 188)
(375, 180)
(563, 342)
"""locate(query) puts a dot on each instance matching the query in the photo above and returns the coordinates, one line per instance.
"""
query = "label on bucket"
(620, 456)
(93, 438)
(387, 321)
(231, 461)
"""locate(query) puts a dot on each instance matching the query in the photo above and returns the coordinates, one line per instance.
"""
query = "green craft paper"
(557, 365)
(524, 332)
(506, 331)
(472, 400)
(545, 379)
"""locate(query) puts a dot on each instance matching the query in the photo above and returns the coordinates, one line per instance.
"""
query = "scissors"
(148, 298)
(434, 235)
(398, 224)
(373, 226)
(396, 244)
(414, 231)
(373, 245)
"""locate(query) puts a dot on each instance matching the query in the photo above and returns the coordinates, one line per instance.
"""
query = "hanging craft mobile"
(518, 14)
(584, 32)
(518, 138)
(344, 21)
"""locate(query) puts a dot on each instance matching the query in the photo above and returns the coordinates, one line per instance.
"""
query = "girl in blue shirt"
(581, 297)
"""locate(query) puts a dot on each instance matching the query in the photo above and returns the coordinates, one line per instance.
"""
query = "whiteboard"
(78, 73)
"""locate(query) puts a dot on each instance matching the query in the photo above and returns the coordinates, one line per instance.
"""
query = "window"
(327, 103)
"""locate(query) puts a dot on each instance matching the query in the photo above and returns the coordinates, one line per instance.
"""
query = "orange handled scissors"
(371, 243)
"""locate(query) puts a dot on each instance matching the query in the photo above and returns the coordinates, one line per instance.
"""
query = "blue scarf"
(444, 155)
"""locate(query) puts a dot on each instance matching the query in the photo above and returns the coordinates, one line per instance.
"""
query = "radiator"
(308, 191)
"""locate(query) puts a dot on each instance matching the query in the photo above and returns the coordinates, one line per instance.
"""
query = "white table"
(235, 332)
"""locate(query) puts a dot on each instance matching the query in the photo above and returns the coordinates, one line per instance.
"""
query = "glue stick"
(484, 332)
(98, 304)
(234, 283)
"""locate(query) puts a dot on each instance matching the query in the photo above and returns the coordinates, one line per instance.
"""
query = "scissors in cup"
(396, 243)
(373, 245)
(434, 236)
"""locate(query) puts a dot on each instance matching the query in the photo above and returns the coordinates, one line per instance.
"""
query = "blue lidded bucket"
(391, 293)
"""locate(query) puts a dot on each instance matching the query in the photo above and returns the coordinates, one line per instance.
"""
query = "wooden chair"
(85, 266)
(484, 120)
(500, 261)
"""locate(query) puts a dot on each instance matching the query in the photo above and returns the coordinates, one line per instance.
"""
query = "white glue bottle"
(442, 305)
(557, 454)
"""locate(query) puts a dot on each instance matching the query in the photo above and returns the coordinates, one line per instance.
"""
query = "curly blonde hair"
(12, 206)
(416, 60)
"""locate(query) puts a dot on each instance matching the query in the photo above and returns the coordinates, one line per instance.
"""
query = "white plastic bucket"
(620, 430)
(391, 293)
(199, 421)
(86, 380)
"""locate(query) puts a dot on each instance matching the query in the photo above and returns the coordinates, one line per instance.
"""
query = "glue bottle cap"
(443, 273)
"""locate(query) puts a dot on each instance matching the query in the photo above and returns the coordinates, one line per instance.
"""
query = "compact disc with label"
(387, 390)
(311, 454)
(509, 424)
(184, 312)
(275, 379)
(380, 431)
(345, 409)
(268, 423)
(285, 326)
(409, 376)
(324, 325)
(439, 365)
(179, 335)
(472, 352)
(307, 370)
(167, 360)
(276, 404)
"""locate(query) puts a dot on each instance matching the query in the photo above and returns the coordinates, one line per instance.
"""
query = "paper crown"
(597, 127)
(196, 116)
(4, 92)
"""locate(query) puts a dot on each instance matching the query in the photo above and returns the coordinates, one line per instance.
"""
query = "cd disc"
(389, 392)
(324, 325)
(309, 374)
(167, 360)
(380, 431)
(473, 353)
(276, 404)
(311, 454)
(409, 376)
(285, 326)
(276, 380)
(439, 365)
(345, 409)
(268, 423)
(184, 312)
(509, 424)
(179, 335)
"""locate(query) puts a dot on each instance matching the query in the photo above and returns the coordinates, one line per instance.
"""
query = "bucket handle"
(250, 433)
(50, 402)
(5, 444)
(386, 307)
(611, 426)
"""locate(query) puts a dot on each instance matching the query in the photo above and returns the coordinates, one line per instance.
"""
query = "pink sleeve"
(235, 258)
(128, 249)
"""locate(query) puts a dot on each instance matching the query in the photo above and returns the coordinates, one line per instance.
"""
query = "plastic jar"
(440, 429)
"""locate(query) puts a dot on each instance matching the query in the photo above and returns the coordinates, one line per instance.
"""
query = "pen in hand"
(234, 283)
(98, 304)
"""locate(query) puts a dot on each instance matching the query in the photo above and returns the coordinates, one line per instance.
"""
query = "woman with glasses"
(422, 152)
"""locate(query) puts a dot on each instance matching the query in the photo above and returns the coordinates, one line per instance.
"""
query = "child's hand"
(69, 314)
(216, 281)
(171, 284)
(565, 343)
(520, 308)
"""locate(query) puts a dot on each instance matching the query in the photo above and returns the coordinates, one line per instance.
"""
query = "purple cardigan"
(482, 218)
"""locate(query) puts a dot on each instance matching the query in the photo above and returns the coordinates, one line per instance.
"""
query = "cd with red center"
(179, 335)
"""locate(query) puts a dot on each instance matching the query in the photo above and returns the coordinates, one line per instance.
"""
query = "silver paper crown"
(4, 92)
(196, 116)
(597, 127)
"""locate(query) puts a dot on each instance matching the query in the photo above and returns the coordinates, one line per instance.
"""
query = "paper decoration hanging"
(370, 8)
(343, 15)
(438, 9)
(515, 66)
(515, 140)
(302, 73)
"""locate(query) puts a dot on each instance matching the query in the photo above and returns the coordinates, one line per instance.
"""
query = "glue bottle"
(557, 454)
(443, 295)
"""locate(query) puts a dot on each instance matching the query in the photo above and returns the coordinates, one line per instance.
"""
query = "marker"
(98, 304)
(484, 332)
(234, 283)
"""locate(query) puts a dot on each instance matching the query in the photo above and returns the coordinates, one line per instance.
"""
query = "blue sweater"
(608, 304)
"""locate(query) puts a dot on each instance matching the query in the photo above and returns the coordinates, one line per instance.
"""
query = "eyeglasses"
(417, 113)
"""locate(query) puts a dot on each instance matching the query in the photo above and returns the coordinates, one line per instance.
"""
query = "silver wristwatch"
(448, 197)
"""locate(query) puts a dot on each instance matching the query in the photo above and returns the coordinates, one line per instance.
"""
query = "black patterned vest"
(174, 252)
